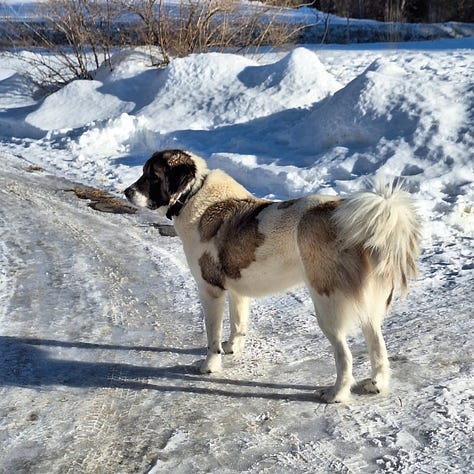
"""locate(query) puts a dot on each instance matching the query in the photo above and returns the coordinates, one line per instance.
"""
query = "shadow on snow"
(27, 364)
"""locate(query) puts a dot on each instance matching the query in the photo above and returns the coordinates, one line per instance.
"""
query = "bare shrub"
(197, 26)
(83, 33)
(67, 38)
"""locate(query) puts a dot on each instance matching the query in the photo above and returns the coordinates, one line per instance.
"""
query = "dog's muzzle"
(138, 199)
(130, 193)
(135, 197)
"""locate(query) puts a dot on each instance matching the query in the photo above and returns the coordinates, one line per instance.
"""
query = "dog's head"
(167, 176)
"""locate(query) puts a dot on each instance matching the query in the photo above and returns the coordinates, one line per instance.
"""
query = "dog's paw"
(371, 386)
(330, 395)
(375, 385)
(235, 346)
(212, 363)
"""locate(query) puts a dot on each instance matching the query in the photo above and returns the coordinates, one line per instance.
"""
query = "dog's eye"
(153, 178)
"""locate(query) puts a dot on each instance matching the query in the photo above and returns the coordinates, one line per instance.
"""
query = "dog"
(352, 253)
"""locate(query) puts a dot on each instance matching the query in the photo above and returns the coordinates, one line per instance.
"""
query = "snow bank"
(400, 117)
(16, 90)
(75, 105)
(210, 90)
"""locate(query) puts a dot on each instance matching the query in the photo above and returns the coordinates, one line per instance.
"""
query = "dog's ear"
(176, 169)
(179, 176)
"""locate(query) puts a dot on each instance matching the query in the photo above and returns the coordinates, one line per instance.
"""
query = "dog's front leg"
(213, 304)
(239, 315)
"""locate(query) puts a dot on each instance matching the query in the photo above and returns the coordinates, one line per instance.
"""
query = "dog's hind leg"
(334, 317)
(371, 327)
(380, 376)
(213, 303)
(239, 315)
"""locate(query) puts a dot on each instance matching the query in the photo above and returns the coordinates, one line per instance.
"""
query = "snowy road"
(100, 328)
(70, 282)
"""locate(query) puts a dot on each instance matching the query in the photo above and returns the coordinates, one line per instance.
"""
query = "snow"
(100, 323)
(54, 112)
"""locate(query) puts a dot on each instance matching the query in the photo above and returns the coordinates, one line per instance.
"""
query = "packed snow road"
(100, 329)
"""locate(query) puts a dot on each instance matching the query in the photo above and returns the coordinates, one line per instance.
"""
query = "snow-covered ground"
(100, 326)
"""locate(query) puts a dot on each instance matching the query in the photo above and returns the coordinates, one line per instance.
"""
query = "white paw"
(330, 395)
(375, 385)
(235, 346)
(212, 363)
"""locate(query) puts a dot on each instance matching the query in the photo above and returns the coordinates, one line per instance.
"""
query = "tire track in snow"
(101, 258)
(97, 446)
(310, 457)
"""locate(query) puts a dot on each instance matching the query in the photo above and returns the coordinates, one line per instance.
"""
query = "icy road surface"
(100, 330)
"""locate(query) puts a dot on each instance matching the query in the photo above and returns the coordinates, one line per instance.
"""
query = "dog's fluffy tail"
(385, 222)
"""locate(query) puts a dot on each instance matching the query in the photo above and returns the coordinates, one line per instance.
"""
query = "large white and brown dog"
(351, 253)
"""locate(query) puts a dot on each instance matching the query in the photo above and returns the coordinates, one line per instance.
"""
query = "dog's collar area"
(175, 209)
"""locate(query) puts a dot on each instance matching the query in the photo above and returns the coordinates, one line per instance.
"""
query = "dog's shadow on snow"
(27, 362)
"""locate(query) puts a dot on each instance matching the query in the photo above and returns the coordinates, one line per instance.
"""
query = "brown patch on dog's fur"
(214, 216)
(327, 267)
(211, 271)
(233, 224)
(176, 158)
